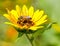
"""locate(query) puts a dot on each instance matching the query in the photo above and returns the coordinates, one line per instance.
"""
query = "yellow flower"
(26, 18)
(11, 34)
(56, 27)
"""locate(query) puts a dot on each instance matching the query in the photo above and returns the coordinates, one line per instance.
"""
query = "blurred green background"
(50, 37)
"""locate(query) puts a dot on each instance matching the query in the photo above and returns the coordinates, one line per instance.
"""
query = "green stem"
(29, 39)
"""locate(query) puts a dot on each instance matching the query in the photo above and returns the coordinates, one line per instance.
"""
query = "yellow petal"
(34, 18)
(11, 15)
(24, 11)
(8, 10)
(31, 11)
(18, 9)
(42, 20)
(9, 18)
(11, 24)
(14, 14)
(37, 15)
(35, 28)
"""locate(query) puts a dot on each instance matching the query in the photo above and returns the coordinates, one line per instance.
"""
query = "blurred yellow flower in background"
(3, 43)
(22, 1)
(56, 27)
(26, 18)
(11, 34)
(7, 4)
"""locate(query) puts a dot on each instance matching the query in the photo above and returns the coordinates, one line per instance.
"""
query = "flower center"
(25, 21)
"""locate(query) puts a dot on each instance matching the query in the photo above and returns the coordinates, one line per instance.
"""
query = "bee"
(21, 17)
(25, 20)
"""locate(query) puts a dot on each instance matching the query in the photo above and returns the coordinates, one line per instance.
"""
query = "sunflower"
(26, 18)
